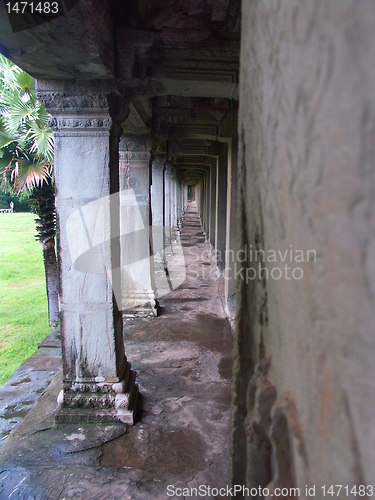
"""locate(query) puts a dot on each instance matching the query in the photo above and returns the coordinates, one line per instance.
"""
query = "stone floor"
(183, 364)
(26, 385)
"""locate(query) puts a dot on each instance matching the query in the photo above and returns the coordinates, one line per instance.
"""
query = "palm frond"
(7, 71)
(15, 117)
(5, 161)
(6, 140)
(8, 98)
(28, 175)
(26, 82)
(42, 140)
(26, 141)
(7, 165)
(15, 79)
(4, 62)
(42, 117)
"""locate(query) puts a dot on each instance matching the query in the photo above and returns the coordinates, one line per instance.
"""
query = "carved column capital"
(169, 168)
(135, 149)
(159, 160)
(80, 108)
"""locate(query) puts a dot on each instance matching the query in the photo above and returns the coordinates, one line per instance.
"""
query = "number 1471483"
(32, 7)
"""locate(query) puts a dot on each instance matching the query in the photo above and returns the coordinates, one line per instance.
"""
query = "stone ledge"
(20, 392)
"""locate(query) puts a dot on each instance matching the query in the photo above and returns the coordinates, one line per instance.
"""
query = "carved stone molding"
(135, 149)
(80, 124)
(169, 168)
(79, 108)
(135, 156)
(142, 303)
(135, 143)
(60, 102)
(113, 403)
(158, 160)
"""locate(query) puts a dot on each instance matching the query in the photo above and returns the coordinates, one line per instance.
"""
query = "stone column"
(178, 203)
(168, 206)
(201, 198)
(205, 205)
(137, 263)
(230, 286)
(182, 198)
(173, 205)
(157, 206)
(179, 209)
(98, 383)
(177, 189)
(185, 196)
(212, 214)
(202, 204)
(158, 189)
(221, 206)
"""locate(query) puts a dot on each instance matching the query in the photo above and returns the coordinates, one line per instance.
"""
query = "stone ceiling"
(176, 61)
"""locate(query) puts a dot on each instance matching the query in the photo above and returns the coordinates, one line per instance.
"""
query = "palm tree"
(26, 163)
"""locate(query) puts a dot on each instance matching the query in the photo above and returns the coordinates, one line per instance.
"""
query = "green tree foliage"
(26, 162)
(26, 141)
(21, 204)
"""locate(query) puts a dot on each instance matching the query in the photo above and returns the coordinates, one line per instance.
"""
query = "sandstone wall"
(304, 374)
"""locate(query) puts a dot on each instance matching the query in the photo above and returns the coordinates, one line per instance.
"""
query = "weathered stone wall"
(304, 369)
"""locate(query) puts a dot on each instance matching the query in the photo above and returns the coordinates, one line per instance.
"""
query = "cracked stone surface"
(183, 363)
(25, 386)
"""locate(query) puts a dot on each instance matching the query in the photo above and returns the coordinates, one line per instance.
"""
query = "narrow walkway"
(183, 364)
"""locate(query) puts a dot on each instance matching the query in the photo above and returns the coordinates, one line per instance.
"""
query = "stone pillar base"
(140, 304)
(175, 233)
(160, 269)
(94, 401)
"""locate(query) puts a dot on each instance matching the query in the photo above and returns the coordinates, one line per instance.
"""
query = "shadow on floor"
(183, 364)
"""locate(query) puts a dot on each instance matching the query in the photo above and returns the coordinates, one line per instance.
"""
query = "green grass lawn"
(23, 299)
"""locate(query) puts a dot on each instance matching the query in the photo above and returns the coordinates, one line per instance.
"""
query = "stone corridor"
(183, 364)
(263, 114)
